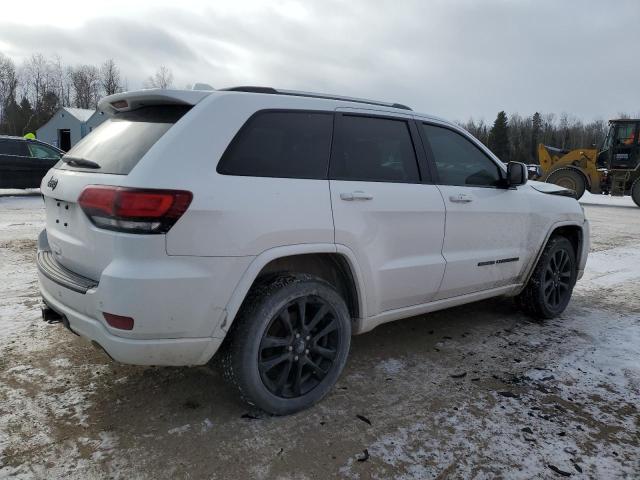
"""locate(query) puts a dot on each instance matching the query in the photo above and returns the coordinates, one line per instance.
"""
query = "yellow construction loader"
(613, 169)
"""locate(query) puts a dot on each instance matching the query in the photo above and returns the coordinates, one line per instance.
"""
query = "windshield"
(120, 142)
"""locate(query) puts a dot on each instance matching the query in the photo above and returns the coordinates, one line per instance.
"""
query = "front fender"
(583, 251)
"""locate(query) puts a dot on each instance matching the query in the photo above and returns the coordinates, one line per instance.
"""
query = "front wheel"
(635, 191)
(569, 178)
(549, 289)
(289, 344)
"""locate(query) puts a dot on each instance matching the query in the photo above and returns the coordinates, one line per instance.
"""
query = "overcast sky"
(455, 59)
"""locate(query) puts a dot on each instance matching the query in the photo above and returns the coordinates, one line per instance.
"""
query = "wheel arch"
(336, 266)
(571, 230)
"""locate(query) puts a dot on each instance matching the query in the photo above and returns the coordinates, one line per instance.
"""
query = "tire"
(635, 191)
(549, 289)
(569, 178)
(278, 363)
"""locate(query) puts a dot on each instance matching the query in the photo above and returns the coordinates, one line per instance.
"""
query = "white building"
(94, 120)
(68, 126)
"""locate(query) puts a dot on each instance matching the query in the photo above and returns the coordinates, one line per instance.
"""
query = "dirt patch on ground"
(476, 391)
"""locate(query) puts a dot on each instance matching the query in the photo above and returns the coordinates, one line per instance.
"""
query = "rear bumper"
(169, 351)
(51, 269)
(177, 304)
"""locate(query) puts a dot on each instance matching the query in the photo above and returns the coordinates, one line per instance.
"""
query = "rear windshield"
(119, 143)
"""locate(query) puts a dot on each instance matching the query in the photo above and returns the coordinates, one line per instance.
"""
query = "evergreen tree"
(12, 124)
(499, 137)
(49, 106)
(26, 117)
(536, 135)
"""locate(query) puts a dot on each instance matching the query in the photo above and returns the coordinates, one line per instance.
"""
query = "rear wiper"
(80, 162)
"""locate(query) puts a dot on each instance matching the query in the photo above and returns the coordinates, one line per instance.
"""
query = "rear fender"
(258, 264)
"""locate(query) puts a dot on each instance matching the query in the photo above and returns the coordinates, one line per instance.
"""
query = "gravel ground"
(478, 391)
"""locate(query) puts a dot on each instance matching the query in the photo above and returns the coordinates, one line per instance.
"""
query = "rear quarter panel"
(234, 215)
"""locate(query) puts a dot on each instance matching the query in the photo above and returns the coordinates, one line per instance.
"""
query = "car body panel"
(410, 251)
(399, 270)
(485, 243)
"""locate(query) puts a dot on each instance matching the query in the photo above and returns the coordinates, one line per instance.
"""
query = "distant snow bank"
(591, 199)
(16, 192)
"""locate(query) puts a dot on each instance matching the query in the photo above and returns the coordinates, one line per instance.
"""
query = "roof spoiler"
(127, 101)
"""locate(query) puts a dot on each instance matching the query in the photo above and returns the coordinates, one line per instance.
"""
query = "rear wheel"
(569, 178)
(289, 344)
(635, 191)
(549, 289)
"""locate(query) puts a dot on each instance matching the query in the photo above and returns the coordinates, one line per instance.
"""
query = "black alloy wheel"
(289, 344)
(549, 289)
(299, 347)
(557, 278)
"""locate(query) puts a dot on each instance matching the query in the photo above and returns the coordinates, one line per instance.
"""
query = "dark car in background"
(23, 162)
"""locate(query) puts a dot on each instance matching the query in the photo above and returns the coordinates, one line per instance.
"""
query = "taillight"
(133, 210)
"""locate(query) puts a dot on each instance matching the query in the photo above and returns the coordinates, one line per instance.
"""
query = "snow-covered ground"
(607, 200)
(21, 219)
(478, 391)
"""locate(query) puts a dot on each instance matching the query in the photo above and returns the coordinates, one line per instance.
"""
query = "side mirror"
(534, 171)
(516, 174)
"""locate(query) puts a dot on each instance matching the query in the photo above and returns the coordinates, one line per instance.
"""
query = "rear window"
(281, 144)
(119, 143)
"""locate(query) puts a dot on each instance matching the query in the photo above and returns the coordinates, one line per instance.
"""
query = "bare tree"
(39, 80)
(85, 81)
(39, 87)
(8, 83)
(61, 82)
(110, 78)
(163, 78)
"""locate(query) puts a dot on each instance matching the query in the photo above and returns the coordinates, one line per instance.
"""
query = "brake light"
(133, 210)
(120, 104)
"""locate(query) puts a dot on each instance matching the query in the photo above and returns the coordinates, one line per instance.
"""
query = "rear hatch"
(104, 157)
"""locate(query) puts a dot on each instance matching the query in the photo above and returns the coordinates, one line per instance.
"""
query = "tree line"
(516, 138)
(31, 93)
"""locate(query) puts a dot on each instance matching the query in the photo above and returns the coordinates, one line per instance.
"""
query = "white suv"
(276, 224)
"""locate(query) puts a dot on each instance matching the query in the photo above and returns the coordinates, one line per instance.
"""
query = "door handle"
(461, 198)
(357, 195)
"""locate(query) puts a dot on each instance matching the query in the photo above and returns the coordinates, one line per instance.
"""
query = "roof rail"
(273, 91)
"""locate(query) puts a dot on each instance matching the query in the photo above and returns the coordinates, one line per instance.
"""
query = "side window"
(373, 149)
(281, 144)
(13, 147)
(458, 161)
(40, 151)
(625, 133)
